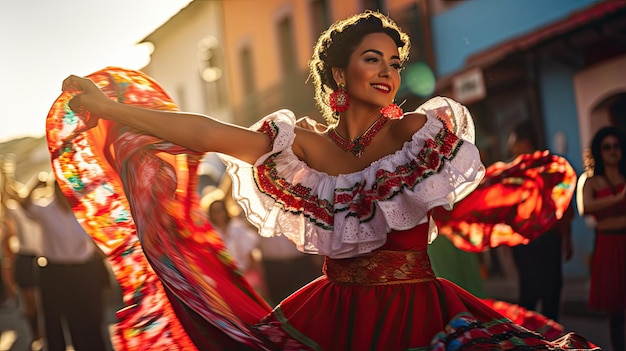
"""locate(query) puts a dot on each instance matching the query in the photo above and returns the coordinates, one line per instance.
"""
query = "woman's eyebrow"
(380, 53)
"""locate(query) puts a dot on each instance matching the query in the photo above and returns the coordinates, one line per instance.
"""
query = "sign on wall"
(469, 86)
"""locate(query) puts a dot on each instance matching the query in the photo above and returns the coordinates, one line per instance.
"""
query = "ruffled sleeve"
(351, 214)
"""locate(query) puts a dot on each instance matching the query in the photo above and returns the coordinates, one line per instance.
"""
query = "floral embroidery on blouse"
(357, 199)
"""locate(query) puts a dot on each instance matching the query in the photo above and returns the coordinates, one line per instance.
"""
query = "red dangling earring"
(392, 111)
(339, 100)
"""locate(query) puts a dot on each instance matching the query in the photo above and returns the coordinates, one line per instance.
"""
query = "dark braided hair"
(336, 44)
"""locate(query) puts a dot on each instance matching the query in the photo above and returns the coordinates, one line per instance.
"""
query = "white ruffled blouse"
(351, 214)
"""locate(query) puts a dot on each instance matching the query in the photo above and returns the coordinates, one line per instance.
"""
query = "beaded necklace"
(357, 145)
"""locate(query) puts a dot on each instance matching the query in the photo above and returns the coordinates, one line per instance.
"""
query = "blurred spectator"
(72, 274)
(604, 198)
(14, 331)
(279, 268)
(24, 236)
(286, 269)
(21, 244)
(241, 241)
(540, 263)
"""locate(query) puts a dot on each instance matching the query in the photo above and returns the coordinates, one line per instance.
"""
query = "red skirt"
(390, 300)
(349, 311)
(607, 290)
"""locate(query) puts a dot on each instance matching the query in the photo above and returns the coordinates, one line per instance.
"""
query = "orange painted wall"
(254, 23)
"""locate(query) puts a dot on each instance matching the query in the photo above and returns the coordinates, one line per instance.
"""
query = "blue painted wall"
(475, 25)
(560, 116)
(559, 109)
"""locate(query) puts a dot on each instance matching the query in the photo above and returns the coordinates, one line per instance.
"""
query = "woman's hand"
(88, 97)
(88, 101)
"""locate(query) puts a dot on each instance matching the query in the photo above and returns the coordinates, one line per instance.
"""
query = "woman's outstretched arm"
(194, 131)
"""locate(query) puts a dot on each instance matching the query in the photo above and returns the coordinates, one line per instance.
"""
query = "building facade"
(188, 59)
(558, 63)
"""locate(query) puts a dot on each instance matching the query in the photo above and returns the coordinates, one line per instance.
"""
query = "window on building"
(374, 5)
(210, 59)
(247, 70)
(320, 18)
(286, 44)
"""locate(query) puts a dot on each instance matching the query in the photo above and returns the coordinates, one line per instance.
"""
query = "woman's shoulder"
(595, 182)
(404, 128)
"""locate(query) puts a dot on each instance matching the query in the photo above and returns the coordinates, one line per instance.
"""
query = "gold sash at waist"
(381, 267)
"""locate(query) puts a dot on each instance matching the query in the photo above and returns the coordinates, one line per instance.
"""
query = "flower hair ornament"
(339, 100)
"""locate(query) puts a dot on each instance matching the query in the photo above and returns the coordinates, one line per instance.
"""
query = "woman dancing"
(360, 194)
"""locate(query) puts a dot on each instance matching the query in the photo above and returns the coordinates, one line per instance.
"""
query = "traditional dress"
(607, 289)
(373, 226)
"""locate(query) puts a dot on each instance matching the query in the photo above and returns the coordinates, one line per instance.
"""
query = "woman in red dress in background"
(360, 193)
(604, 198)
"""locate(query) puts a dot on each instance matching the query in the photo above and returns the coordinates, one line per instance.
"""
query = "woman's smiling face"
(373, 73)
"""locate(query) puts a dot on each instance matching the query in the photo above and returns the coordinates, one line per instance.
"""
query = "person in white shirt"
(72, 274)
(24, 239)
(241, 241)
